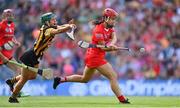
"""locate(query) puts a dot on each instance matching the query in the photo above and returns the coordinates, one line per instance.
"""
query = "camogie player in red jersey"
(7, 40)
(7, 43)
(103, 34)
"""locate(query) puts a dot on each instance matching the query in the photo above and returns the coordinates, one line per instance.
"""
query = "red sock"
(121, 98)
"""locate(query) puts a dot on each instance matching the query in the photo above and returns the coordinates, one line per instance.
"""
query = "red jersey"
(95, 57)
(6, 34)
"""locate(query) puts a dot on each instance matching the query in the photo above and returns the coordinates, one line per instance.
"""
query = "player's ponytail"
(98, 21)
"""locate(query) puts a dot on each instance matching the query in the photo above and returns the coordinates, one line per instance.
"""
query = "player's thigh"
(29, 58)
(107, 71)
(27, 74)
(88, 73)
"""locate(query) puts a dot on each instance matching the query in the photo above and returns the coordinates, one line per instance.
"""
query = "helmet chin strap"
(108, 25)
(47, 23)
(106, 19)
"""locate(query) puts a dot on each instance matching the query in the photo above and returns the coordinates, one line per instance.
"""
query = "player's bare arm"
(17, 43)
(111, 46)
(114, 39)
(107, 48)
(62, 29)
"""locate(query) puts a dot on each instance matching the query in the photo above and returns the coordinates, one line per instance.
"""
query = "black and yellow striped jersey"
(43, 41)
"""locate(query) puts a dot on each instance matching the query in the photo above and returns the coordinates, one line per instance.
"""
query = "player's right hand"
(5, 60)
(73, 26)
(113, 47)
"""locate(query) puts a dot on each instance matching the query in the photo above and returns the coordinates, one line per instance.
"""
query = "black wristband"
(92, 46)
(40, 71)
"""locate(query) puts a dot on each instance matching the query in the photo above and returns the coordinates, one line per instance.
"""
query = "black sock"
(40, 71)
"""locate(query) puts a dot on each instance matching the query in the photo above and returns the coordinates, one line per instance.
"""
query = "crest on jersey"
(8, 30)
(99, 35)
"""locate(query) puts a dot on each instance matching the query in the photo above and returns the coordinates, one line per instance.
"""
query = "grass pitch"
(91, 102)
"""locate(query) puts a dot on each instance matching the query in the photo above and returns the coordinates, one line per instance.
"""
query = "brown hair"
(98, 20)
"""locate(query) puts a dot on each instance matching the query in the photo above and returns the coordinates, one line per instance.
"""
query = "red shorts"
(94, 62)
(6, 53)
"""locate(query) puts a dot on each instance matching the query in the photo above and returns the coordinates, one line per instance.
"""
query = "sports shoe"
(13, 100)
(10, 84)
(56, 82)
(125, 101)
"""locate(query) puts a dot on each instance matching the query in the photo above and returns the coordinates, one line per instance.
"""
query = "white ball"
(142, 50)
(9, 45)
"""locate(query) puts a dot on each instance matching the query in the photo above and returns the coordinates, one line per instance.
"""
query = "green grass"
(92, 102)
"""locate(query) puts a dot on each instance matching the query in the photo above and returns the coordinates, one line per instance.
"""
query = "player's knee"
(23, 79)
(32, 77)
(113, 77)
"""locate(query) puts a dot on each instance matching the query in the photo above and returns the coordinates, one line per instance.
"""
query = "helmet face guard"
(47, 17)
(8, 15)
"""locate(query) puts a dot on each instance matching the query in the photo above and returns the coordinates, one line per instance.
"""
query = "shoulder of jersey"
(98, 28)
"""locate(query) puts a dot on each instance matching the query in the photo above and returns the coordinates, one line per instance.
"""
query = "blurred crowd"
(152, 24)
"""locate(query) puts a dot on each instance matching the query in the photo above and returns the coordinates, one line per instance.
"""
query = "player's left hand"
(113, 47)
(16, 42)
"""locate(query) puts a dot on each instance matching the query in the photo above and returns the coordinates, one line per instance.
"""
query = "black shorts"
(29, 58)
